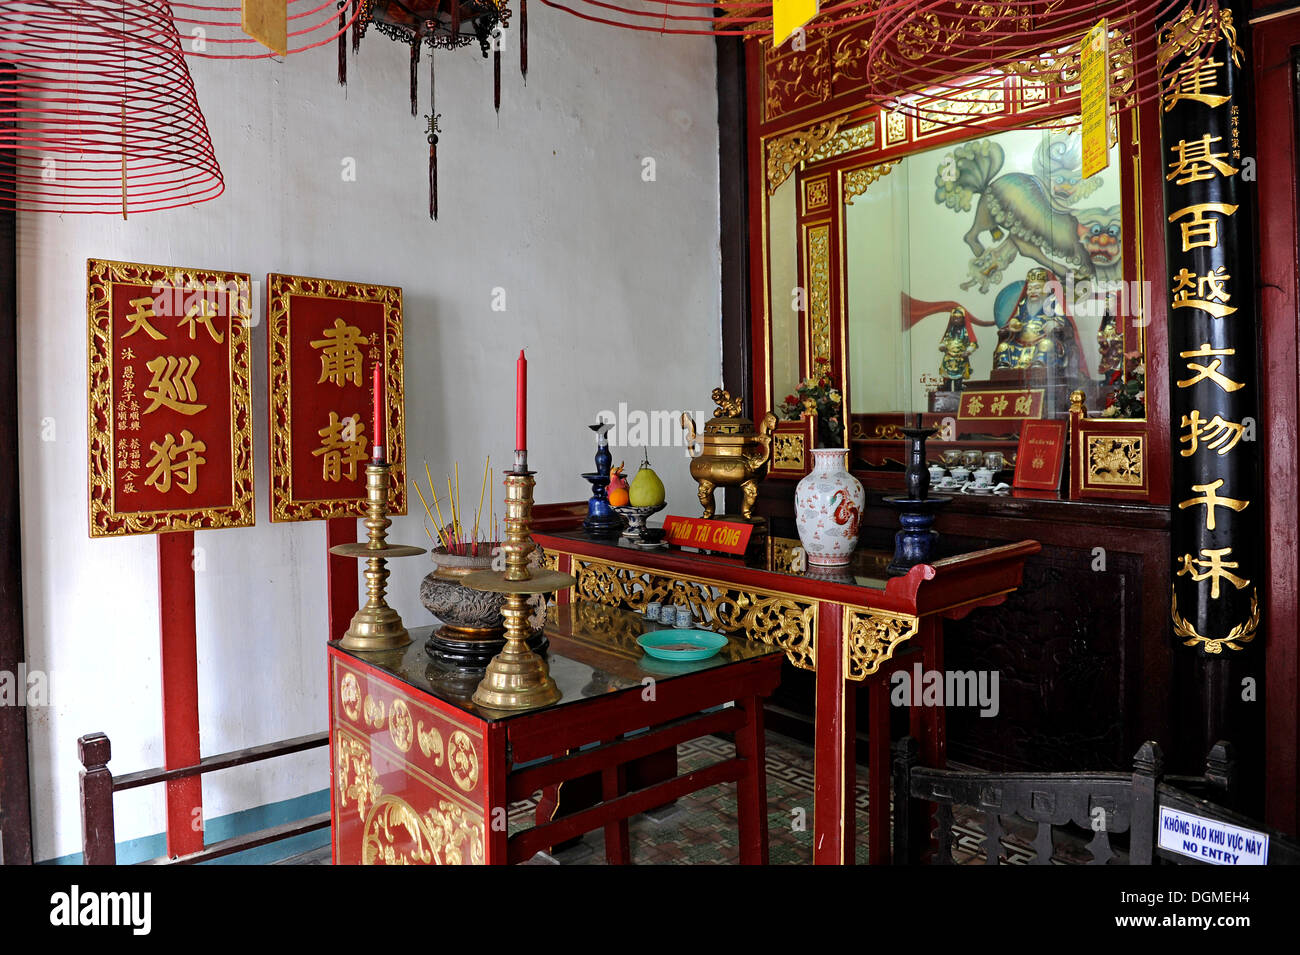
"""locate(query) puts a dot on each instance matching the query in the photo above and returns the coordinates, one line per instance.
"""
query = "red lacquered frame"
(1143, 180)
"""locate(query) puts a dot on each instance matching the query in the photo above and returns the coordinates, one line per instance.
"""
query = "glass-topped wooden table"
(420, 773)
(850, 625)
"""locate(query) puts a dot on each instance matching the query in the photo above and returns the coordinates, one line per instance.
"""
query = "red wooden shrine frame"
(1143, 220)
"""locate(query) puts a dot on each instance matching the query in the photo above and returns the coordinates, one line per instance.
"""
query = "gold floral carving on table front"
(400, 725)
(355, 774)
(609, 628)
(350, 695)
(1115, 461)
(778, 620)
(430, 741)
(819, 293)
(870, 638)
(280, 289)
(1236, 639)
(462, 759)
(787, 451)
(372, 711)
(395, 834)
(856, 181)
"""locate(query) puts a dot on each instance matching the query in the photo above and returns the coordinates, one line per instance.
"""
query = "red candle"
(377, 429)
(521, 402)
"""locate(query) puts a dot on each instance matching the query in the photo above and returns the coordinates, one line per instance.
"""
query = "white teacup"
(983, 477)
(960, 474)
(936, 474)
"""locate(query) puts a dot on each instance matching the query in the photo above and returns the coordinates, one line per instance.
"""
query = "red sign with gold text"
(170, 434)
(996, 405)
(325, 338)
(723, 536)
(1040, 455)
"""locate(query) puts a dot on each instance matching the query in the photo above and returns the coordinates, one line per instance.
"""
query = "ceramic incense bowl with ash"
(472, 632)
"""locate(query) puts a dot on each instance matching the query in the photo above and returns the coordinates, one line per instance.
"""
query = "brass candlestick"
(517, 678)
(376, 626)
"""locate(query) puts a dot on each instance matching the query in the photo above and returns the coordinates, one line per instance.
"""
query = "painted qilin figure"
(1030, 214)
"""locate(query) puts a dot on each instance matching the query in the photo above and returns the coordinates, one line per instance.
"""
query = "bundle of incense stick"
(456, 536)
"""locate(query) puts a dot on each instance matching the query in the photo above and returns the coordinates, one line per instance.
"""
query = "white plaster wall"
(612, 285)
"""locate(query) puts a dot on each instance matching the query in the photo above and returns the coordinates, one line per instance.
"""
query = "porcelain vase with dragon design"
(828, 509)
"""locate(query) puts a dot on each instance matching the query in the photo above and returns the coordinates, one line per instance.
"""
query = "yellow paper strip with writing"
(1094, 99)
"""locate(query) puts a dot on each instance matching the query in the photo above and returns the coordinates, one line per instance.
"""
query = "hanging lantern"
(440, 25)
(98, 112)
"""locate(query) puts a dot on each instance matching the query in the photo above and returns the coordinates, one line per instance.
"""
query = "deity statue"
(956, 346)
(1034, 335)
(1110, 343)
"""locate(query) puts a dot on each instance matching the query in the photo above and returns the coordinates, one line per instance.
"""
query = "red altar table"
(421, 774)
(848, 625)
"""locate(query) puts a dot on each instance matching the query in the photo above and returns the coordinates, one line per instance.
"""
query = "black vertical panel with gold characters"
(1218, 564)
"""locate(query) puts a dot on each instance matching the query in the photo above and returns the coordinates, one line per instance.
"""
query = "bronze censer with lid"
(732, 452)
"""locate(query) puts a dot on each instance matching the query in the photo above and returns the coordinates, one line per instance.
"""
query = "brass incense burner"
(732, 452)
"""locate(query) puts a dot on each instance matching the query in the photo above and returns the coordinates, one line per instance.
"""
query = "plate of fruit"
(681, 645)
(638, 500)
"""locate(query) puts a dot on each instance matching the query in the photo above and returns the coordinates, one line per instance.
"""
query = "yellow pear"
(646, 490)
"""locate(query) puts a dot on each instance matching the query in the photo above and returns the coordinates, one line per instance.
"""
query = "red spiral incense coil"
(98, 112)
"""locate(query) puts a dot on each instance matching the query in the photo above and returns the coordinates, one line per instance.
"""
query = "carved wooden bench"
(1105, 804)
(98, 785)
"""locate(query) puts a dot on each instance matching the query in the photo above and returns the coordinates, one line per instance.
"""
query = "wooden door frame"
(15, 792)
(1276, 46)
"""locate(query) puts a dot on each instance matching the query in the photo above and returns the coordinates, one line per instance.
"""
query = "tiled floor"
(701, 827)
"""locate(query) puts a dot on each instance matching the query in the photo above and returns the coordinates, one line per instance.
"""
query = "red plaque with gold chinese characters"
(326, 336)
(170, 427)
(986, 405)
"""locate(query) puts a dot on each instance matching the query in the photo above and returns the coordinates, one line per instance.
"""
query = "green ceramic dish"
(703, 644)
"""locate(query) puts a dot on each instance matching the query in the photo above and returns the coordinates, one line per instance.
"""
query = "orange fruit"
(618, 497)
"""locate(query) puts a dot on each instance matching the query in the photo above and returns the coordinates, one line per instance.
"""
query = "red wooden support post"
(98, 843)
(878, 770)
(751, 789)
(340, 575)
(934, 743)
(613, 783)
(180, 686)
(834, 821)
(496, 848)
(1275, 106)
(564, 564)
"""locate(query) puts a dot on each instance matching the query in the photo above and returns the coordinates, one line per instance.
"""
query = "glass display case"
(966, 271)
